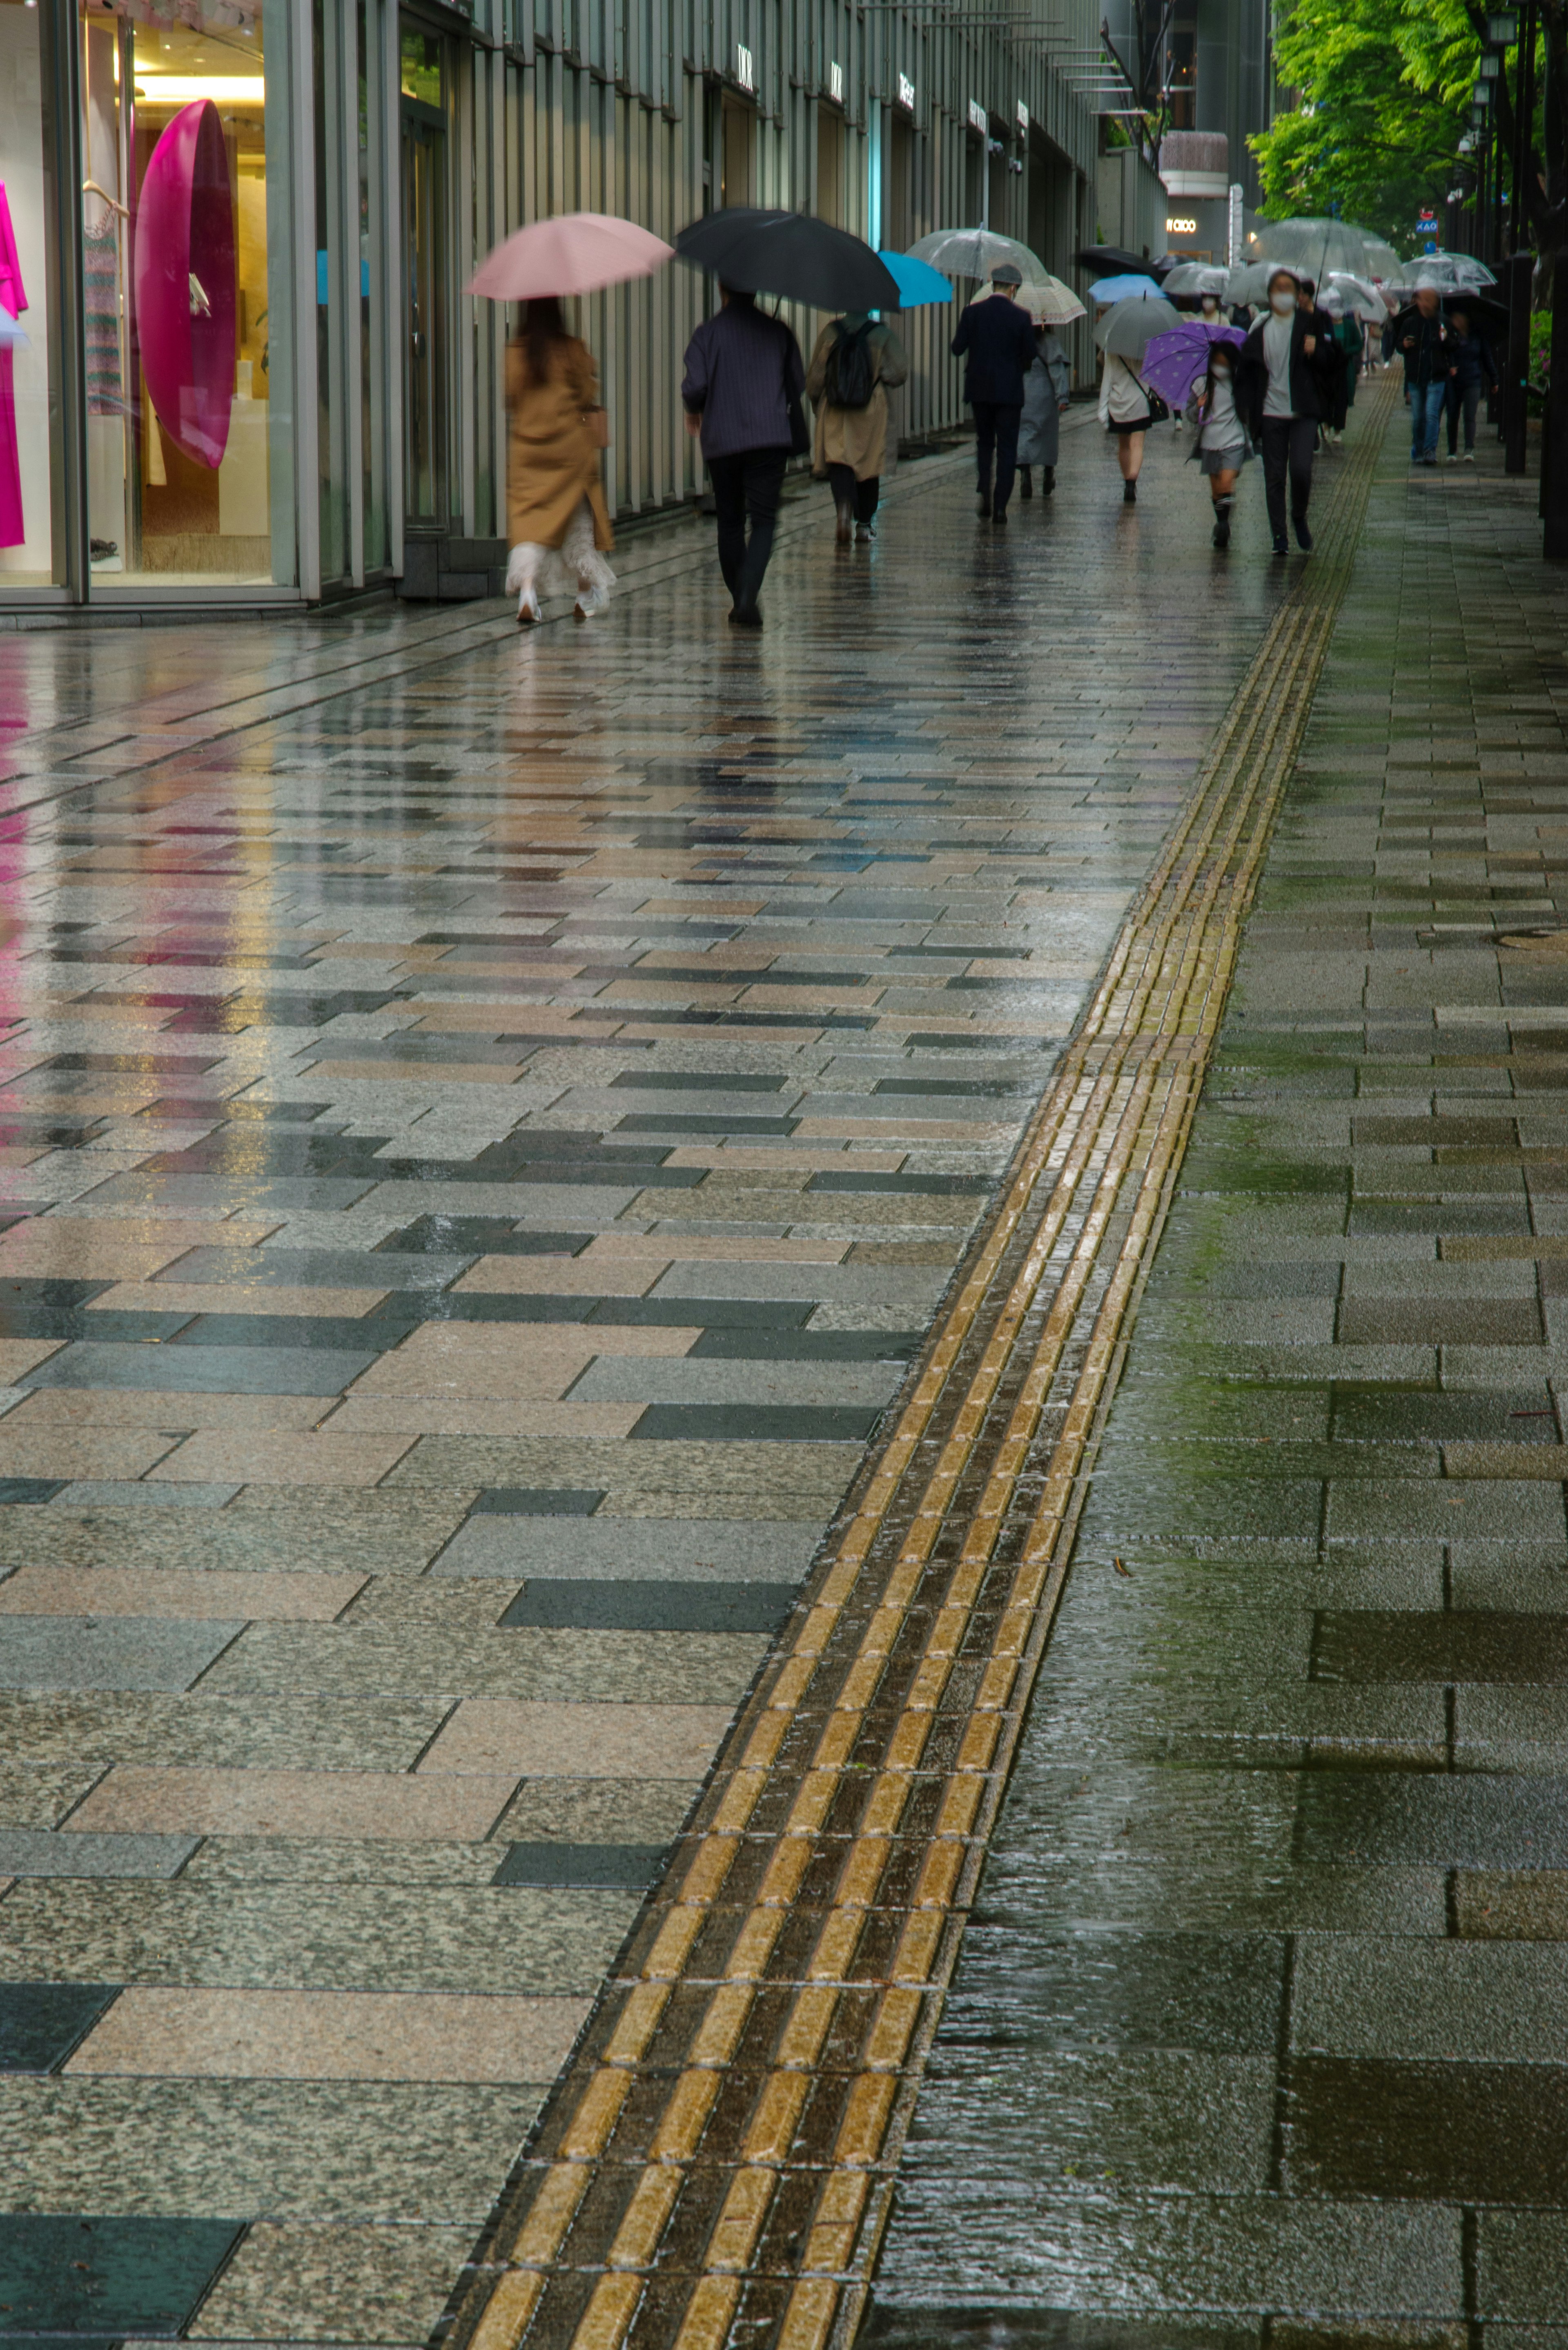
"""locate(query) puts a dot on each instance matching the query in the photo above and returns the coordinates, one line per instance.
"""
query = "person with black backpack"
(857, 362)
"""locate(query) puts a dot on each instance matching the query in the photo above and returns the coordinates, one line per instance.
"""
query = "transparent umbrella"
(975, 253)
(1250, 281)
(1196, 277)
(1314, 245)
(1452, 273)
(1383, 261)
(1358, 294)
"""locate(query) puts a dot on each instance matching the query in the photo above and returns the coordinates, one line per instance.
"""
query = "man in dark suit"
(998, 340)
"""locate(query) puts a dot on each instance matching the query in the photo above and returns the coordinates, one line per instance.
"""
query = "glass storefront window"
(32, 547)
(186, 290)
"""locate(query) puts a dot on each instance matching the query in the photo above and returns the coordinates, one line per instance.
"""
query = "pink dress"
(14, 301)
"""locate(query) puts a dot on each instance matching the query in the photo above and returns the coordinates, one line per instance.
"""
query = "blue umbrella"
(1122, 290)
(918, 281)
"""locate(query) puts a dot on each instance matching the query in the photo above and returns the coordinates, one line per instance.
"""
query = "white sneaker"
(527, 608)
(1470, 456)
(1453, 459)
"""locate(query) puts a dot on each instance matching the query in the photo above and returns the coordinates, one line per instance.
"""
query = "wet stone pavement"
(1260, 2030)
(486, 1124)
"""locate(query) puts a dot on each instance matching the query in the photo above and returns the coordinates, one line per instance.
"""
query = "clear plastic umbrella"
(1196, 277)
(1383, 261)
(1358, 294)
(1250, 281)
(1452, 273)
(1314, 245)
(975, 253)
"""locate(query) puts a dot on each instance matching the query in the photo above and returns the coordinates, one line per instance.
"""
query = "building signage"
(905, 93)
(1181, 225)
(978, 119)
(745, 67)
(1023, 120)
(835, 84)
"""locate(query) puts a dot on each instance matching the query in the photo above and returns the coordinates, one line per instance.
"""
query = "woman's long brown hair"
(543, 328)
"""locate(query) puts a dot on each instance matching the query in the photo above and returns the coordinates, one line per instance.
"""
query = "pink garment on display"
(13, 300)
(186, 311)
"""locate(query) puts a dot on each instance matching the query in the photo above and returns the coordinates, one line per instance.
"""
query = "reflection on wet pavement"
(487, 1126)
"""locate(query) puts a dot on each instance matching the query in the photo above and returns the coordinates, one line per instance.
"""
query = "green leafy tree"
(1384, 103)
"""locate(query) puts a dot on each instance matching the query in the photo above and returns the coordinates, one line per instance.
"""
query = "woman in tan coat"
(555, 511)
(853, 354)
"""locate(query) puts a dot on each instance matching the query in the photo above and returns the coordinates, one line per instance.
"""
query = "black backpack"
(849, 377)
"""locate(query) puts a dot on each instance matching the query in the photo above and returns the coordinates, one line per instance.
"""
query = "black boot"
(1222, 522)
(1129, 493)
(982, 505)
(1047, 480)
(1025, 482)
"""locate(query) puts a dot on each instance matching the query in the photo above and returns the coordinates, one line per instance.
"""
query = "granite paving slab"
(354, 1165)
(1183, 2090)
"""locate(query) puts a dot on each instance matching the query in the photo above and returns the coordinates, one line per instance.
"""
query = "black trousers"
(746, 488)
(1462, 399)
(848, 492)
(996, 434)
(1288, 445)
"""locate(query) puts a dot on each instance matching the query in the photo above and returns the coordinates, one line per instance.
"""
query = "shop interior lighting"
(180, 90)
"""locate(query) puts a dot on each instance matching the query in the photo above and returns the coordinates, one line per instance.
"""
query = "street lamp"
(1488, 67)
(1503, 29)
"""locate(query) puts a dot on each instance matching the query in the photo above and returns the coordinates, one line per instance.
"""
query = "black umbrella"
(1114, 260)
(792, 254)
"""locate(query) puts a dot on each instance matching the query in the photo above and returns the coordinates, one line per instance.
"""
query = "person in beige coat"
(853, 353)
(556, 512)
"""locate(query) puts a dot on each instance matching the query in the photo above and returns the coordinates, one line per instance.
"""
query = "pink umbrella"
(576, 253)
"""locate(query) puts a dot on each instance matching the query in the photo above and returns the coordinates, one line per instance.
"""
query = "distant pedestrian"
(1350, 336)
(1282, 381)
(1046, 389)
(1126, 410)
(1473, 368)
(1221, 450)
(744, 380)
(997, 339)
(556, 517)
(857, 362)
(1428, 363)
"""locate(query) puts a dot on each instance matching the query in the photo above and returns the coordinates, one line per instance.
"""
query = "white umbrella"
(976, 252)
(1048, 302)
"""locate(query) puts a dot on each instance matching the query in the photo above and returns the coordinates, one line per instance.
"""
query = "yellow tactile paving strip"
(717, 2164)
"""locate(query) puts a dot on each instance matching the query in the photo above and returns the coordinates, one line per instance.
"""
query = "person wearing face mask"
(1208, 308)
(1283, 386)
(1221, 450)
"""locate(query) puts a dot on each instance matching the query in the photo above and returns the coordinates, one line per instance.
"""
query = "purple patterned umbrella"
(1174, 360)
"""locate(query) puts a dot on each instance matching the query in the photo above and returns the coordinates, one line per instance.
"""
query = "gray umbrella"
(1128, 327)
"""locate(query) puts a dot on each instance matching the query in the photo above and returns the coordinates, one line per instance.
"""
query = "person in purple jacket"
(744, 376)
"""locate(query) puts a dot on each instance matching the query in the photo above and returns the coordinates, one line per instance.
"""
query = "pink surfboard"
(185, 307)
